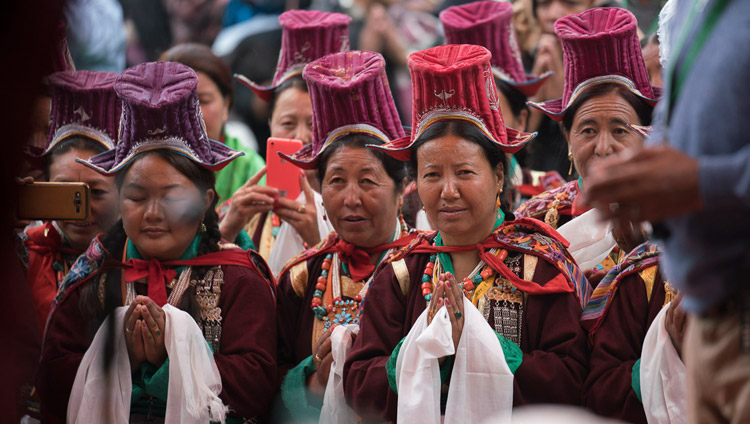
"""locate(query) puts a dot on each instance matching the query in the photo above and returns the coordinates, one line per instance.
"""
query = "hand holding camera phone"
(281, 173)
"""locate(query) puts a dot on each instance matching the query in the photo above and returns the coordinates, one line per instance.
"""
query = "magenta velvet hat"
(83, 103)
(160, 111)
(455, 82)
(350, 94)
(306, 35)
(490, 24)
(600, 46)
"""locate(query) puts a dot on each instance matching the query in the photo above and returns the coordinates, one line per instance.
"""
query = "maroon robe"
(555, 357)
(617, 345)
(246, 358)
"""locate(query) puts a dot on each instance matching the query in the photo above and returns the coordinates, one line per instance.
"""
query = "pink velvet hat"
(306, 35)
(455, 82)
(490, 24)
(160, 111)
(83, 103)
(600, 46)
(350, 94)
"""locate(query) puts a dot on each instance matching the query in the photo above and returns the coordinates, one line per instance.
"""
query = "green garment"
(244, 241)
(149, 394)
(635, 379)
(131, 252)
(301, 406)
(513, 357)
(238, 171)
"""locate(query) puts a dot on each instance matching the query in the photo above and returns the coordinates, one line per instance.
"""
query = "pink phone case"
(281, 173)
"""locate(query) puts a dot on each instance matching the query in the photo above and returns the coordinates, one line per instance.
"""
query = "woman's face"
(458, 188)
(103, 200)
(292, 118)
(161, 208)
(214, 107)
(600, 129)
(548, 11)
(360, 198)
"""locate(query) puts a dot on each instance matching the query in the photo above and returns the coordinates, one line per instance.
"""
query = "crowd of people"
(443, 261)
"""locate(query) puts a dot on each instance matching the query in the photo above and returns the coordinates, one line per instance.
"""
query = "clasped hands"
(145, 325)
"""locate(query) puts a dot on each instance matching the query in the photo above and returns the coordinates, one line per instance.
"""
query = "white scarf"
(663, 383)
(481, 384)
(194, 380)
(590, 238)
(335, 409)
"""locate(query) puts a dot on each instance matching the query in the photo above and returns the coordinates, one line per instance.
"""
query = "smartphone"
(54, 201)
(280, 173)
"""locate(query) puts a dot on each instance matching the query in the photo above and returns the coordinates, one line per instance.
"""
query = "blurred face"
(103, 201)
(359, 197)
(292, 118)
(458, 188)
(214, 107)
(161, 208)
(653, 66)
(548, 11)
(40, 122)
(511, 120)
(599, 130)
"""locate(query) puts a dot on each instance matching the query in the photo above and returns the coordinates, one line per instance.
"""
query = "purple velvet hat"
(600, 46)
(350, 94)
(454, 82)
(83, 103)
(490, 24)
(160, 111)
(306, 36)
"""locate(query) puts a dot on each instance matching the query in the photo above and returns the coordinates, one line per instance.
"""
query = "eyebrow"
(589, 121)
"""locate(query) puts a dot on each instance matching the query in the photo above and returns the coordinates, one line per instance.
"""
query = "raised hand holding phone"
(302, 214)
(282, 174)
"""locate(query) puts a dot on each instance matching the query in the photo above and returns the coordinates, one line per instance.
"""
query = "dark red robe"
(554, 345)
(246, 358)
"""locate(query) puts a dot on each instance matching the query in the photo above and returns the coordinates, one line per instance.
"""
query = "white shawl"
(194, 380)
(481, 384)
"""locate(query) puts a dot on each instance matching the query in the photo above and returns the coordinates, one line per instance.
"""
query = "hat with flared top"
(306, 36)
(160, 111)
(490, 24)
(600, 46)
(350, 94)
(455, 82)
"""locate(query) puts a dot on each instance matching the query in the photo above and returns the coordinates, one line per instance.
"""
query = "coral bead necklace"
(480, 273)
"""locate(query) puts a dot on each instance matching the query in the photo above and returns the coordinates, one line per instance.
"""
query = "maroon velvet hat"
(83, 103)
(600, 46)
(306, 35)
(160, 111)
(350, 94)
(490, 24)
(455, 82)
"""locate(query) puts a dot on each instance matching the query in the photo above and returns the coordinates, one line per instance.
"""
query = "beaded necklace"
(329, 284)
(469, 283)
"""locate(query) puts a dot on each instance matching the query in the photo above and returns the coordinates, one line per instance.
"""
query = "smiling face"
(103, 201)
(599, 129)
(161, 208)
(359, 196)
(458, 188)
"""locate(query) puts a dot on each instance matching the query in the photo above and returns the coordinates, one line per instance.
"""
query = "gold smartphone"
(54, 201)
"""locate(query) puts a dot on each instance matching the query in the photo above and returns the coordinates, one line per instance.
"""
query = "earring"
(570, 158)
(203, 226)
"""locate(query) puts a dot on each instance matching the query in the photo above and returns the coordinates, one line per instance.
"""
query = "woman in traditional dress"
(216, 94)
(193, 327)
(636, 368)
(517, 273)
(85, 112)
(362, 192)
(281, 228)
(600, 100)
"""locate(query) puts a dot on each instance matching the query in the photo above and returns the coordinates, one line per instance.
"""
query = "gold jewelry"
(570, 158)
(156, 330)
(317, 358)
(203, 226)
(301, 208)
(129, 331)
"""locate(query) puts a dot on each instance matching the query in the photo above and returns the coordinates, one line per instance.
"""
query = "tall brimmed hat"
(350, 95)
(83, 103)
(600, 46)
(455, 82)
(306, 36)
(160, 111)
(490, 24)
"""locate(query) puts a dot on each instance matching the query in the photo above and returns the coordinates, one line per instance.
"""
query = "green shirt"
(238, 171)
